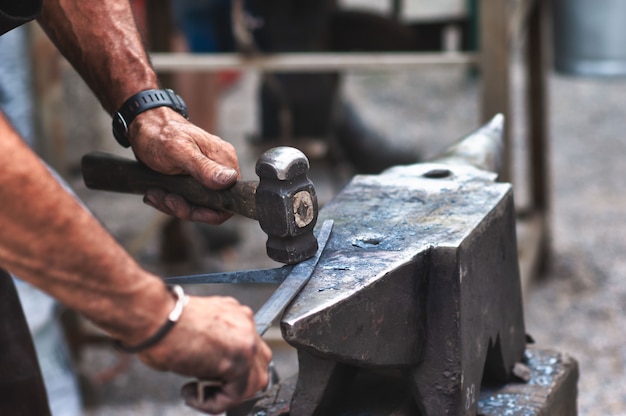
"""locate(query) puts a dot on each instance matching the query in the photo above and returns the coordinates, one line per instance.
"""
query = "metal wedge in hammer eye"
(284, 200)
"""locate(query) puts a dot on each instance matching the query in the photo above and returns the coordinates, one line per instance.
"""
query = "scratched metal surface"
(369, 285)
(550, 375)
(376, 230)
(547, 393)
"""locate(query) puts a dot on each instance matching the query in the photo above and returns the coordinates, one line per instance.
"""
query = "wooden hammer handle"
(108, 172)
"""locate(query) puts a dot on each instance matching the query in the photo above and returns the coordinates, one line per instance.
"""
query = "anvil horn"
(483, 148)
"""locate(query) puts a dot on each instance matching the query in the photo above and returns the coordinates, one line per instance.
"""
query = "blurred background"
(554, 68)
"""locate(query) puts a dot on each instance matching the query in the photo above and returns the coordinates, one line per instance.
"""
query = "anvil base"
(551, 390)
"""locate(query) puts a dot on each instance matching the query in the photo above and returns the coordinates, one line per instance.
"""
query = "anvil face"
(420, 274)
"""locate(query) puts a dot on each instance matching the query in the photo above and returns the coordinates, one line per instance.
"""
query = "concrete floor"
(578, 308)
(581, 305)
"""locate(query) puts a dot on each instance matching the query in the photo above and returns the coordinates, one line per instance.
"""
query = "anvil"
(419, 284)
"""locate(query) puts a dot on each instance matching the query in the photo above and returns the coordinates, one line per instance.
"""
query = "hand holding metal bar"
(271, 310)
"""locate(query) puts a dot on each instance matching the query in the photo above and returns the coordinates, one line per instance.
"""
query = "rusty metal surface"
(551, 389)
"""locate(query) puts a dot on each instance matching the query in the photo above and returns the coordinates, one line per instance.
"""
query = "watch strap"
(140, 102)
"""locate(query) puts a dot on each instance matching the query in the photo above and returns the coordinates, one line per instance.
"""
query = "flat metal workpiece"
(292, 284)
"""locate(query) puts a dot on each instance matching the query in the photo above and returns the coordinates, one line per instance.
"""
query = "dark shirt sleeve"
(15, 13)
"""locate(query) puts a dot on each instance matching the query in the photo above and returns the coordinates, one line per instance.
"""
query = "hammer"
(283, 200)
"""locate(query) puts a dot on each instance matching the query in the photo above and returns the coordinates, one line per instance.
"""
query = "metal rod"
(495, 68)
(537, 102)
(519, 17)
(396, 9)
(170, 62)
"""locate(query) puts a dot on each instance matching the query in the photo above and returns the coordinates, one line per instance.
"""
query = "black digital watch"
(140, 102)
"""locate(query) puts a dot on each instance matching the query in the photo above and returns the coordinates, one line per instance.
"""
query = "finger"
(155, 198)
(214, 401)
(210, 173)
(247, 311)
(265, 352)
(182, 209)
(258, 380)
(219, 150)
(209, 216)
(176, 205)
(263, 366)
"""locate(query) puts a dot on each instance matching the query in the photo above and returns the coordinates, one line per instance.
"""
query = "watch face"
(120, 130)
(182, 107)
(119, 124)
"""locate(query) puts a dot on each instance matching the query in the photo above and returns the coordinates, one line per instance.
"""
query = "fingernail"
(226, 176)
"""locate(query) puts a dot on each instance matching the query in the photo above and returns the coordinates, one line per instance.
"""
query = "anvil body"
(420, 278)
(417, 293)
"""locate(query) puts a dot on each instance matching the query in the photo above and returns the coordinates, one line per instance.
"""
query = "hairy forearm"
(49, 240)
(100, 39)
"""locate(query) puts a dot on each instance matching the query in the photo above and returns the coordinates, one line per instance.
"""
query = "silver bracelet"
(172, 318)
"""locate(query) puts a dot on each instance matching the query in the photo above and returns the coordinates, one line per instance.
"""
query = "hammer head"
(286, 204)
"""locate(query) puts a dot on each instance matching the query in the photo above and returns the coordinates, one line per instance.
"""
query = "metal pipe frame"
(306, 62)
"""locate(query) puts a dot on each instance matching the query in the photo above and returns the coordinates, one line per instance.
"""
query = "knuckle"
(247, 347)
(230, 300)
(172, 145)
(228, 147)
(247, 311)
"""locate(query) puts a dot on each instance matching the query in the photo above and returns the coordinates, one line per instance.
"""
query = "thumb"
(212, 174)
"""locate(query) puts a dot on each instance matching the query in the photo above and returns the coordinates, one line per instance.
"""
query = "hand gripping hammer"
(283, 200)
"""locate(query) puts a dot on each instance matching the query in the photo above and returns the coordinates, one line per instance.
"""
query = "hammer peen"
(283, 200)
